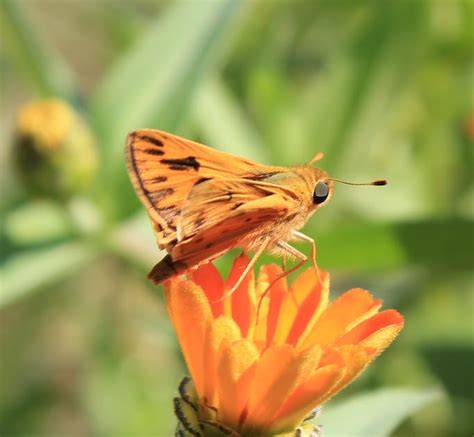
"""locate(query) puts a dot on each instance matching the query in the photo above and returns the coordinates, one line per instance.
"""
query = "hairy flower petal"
(352, 306)
(235, 373)
(219, 334)
(307, 396)
(189, 307)
(210, 280)
(241, 301)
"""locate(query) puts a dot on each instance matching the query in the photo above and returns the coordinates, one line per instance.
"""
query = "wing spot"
(199, 222)
(157, 227)
(169, 213)
(182, 163)
(155, 141)
(157, 180)
(159, 195)
(261, 176)
(201, 180)
(156, 152)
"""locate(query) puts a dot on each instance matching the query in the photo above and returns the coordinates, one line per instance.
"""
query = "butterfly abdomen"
(166, 269)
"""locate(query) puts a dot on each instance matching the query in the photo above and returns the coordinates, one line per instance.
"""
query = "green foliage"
(35, 269)
(377, 413)
(383, 88)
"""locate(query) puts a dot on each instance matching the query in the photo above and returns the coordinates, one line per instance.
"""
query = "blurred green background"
(383, 88)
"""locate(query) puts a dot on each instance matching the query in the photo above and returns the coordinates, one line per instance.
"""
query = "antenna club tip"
(380, 182)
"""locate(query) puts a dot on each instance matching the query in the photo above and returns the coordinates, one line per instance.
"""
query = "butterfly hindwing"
(246, 221)
(215, 201)
(213, 241)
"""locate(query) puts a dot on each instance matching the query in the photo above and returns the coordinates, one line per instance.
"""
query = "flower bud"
(55, 151)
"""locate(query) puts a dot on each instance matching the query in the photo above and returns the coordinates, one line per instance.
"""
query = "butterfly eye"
(321, 192)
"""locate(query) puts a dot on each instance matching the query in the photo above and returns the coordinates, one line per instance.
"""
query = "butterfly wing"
(203, 202)
(218, 200)
(164, 168)
(247, 222)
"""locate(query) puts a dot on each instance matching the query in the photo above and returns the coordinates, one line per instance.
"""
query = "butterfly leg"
(292, 252)
(247, 269)
(302, 237)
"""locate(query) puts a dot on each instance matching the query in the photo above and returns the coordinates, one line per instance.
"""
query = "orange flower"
(263, 377)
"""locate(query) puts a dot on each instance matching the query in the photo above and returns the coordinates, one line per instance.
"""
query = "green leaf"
(374, 414)
(451, 363)
(386, 246)
(37, 61)
(152, 84)
(37, 222)
(32, 270)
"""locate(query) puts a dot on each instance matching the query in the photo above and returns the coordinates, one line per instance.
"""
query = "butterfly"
(203, 202)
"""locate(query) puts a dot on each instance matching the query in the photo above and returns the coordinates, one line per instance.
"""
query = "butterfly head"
(323, 187)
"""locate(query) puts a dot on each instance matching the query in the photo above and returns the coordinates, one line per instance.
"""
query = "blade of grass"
(224, 123)
(152, 84)
(33, 270)
(38, 62)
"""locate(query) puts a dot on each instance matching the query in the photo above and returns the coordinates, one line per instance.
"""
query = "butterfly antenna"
(377, 182)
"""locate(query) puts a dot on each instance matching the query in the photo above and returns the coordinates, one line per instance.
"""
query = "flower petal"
(301, 287)
(188, 306)
(350, 308)
(306, 397)
(355, 360)
(376, 332)
(298, 368)
(310, 309)
(242, 301)
(235, 373)
(220, 333)
(210, 280)
(259, 331)
(306, 281)
(275, 376)
(276, 294)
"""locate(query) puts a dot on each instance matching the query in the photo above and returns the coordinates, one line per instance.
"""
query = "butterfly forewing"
(164, 169)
